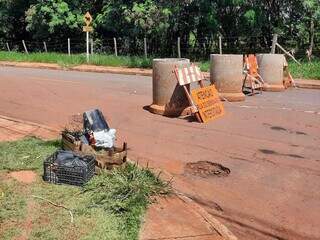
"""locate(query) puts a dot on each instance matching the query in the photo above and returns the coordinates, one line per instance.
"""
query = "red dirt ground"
(26, 177)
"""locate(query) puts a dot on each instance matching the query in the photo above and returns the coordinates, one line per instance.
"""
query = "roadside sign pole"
(87, 19)
(87, 33)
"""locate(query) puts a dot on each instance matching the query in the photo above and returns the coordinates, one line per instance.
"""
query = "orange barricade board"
(208, 102)
(253, 65)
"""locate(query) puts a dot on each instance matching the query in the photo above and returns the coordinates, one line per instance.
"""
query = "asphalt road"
(270, 143)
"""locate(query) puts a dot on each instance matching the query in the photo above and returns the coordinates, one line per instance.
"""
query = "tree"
(53, 17)
(12, 16)
(310, 21)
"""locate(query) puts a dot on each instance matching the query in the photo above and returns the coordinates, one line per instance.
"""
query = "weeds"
(125, 192)
(26, 154)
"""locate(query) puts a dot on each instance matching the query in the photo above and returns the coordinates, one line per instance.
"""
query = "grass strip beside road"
(110, 206)
(307, 70)
(65, 60)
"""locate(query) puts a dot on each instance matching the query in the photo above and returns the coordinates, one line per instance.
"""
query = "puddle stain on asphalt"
(279, 128)
(272, 152)
(301, 133)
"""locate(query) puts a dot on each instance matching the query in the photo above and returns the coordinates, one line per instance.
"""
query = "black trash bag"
(69, 159)
(94, 120)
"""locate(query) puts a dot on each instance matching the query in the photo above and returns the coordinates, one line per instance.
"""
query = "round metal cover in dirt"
(207, 169)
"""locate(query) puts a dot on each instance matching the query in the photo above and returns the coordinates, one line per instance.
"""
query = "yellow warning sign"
(208, 102)
(87, 29)
(87, 19)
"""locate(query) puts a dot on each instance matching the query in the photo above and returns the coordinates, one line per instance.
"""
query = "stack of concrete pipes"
(226, 73)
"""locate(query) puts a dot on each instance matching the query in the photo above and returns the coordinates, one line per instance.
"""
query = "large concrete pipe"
(226, 73)
(169, 98)
(271, 71)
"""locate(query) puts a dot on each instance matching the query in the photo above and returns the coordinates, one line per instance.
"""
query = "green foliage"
(246, 26)
(52, 17)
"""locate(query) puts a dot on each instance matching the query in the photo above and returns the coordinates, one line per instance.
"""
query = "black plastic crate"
(75, 175)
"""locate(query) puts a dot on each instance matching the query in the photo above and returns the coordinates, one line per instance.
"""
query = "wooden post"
(91, 41)
(69, 48)
(115, 46)
(45, 47)
(25, 47)
(8, 47)
(220, 44)
(274, 43)
(145, 48)
(286, 52)
(179, 48)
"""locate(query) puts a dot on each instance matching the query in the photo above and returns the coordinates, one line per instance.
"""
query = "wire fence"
(196, 49)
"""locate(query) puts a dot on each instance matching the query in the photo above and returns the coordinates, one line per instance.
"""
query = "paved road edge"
(300, 83)
(54, 130)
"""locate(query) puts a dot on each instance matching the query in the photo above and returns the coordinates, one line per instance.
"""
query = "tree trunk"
(311, 39)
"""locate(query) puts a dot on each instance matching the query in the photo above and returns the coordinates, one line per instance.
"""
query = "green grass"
(307, 70)
(26, 154)
(205, 66)
(76, 59)
(111, 206)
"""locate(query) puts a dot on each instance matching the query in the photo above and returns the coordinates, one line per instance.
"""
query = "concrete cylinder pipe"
(169, 98)
(271, 71)
(226, 73)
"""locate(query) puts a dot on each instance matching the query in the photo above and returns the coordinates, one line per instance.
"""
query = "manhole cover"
(207, 169)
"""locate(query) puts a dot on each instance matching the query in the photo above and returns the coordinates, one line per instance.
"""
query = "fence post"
(25, 47)
(91, 46)
(115, 46)
(179, 48)
(8, 47)
(274, 43)
(145, 47)
(45, 47)
(69, 48)
(220, 44)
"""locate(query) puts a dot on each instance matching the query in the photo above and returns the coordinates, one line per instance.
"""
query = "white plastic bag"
(105, 138)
